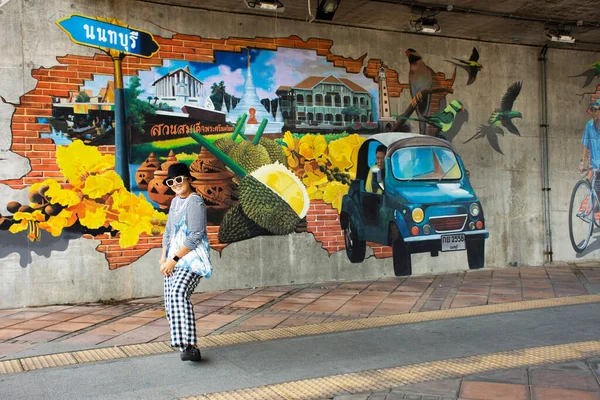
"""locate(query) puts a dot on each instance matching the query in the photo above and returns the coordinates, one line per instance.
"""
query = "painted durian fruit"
(236, 226)
(225, 144)
(249, 156)
(274, 198)
(274, 149)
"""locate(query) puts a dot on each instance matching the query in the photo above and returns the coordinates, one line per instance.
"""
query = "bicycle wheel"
(581, 215)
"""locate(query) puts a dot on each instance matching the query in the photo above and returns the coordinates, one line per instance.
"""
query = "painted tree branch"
(415, 101)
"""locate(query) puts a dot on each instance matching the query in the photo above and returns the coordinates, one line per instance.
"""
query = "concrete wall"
(509, 185)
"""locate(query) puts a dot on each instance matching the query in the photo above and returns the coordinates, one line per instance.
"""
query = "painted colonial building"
(319, 99)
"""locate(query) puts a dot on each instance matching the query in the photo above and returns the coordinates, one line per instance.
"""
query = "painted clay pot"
(145, 173)
(214, 183)
(171, 159)
(159, 192)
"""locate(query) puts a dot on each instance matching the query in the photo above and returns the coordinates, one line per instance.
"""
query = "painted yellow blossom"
(333, 194)
(93, 219)
(28, 221)
(343, 153)
(64, 197)
(57, 223)
(312, 146)
(76, 161)
(291, 149)
(99, 185)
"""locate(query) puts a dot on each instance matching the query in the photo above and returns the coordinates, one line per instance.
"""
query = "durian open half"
(274, 198)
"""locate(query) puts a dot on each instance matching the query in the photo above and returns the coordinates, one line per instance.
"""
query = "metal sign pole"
(121, 137)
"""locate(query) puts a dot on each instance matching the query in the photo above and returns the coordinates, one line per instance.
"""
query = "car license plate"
(453, 242)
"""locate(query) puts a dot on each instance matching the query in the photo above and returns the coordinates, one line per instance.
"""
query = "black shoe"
(190, 354)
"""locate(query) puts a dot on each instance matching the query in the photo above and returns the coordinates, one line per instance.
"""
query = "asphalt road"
(255, 364)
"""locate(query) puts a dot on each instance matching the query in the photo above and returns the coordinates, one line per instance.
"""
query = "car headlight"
(418, 215)
(474, 209)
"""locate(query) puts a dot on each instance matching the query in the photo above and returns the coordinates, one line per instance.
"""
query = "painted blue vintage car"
(421, 200)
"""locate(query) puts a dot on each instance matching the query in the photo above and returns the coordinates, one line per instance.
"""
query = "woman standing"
(185, 233)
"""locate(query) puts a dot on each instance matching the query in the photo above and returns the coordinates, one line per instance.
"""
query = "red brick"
(37, 127)
(181, 36)
(198, 58)
(27, 98)
(285, 42)
(39, 112)
(165, 54)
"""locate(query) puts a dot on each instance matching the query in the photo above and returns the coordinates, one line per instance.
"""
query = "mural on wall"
(281, 136)
(501, 118)
(584, 201)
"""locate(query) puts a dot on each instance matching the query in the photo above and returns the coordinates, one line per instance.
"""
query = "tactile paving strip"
(381, 379)
(229, 339)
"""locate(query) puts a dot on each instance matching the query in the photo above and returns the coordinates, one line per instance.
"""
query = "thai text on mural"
(179, 129)
(126, 39)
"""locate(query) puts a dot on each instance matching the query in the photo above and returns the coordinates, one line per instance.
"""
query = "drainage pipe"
(545, 158)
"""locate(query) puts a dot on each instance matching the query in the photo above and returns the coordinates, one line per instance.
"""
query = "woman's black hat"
(178, 169)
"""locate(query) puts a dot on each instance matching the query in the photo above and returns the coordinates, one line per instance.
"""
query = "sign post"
(117, 40)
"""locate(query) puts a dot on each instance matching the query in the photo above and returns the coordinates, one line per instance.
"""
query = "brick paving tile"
(546, 393)
(517, 376)
(8, 322)
(84, 309)
(444, 387)
(91, 318)
(58, 317)
(26, 315)
(261, 322)
(287, 306)
(88, 338)
(50, 309)
(215, 321)
(114, 328)
(248, 304)
(323, 306)
(112, 311)
(147, 300)
(215, 303)
(142, 334)
(468, 300)
(301, 321)
(68, 326)
(493, 391)
(41, 336)
(7, 349)
(564, 379)
(7, 333)
(33, 324)
(502, 299)
(206, 309)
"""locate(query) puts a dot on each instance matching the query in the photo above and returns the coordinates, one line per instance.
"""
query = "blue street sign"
(92, 32)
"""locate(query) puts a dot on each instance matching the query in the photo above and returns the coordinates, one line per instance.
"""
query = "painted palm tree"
(218, 93)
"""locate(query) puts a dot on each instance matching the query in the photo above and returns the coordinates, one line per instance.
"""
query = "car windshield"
(425, 163)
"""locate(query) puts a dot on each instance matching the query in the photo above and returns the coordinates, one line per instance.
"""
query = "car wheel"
(476, 253)
(400, 254)
(355, 249)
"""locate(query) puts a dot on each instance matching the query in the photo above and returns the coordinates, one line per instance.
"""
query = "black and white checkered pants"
(180, 310)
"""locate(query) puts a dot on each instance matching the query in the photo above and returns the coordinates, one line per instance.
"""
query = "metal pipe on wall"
(545, 162)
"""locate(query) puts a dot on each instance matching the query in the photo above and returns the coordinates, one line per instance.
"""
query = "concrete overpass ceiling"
(503, 24)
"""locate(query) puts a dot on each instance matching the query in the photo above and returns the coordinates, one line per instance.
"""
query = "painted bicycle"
(584, 212)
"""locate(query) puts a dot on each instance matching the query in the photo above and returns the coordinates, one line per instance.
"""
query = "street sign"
(93, 32)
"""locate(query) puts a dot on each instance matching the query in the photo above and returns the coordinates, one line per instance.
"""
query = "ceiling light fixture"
(327, 8)
(270, 5)
(425, 25)
(559, 34)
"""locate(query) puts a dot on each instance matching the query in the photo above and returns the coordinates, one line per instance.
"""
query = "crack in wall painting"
(287, 113)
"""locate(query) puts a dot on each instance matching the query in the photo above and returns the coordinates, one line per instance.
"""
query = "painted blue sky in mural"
(270, 70)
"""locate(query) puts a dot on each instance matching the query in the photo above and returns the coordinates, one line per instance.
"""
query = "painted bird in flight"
(420, 78)
(471, 65)
(501, 118)
(590, 74)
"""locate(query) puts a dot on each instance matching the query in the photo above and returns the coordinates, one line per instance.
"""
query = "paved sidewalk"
(577, 380)
(22, 331)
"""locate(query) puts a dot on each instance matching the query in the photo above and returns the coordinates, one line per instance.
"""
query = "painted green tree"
(218, 94)
(82, 97)
(136, 109)
(352, 112)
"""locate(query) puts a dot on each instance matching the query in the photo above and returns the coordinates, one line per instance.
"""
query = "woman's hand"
(167, 267)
